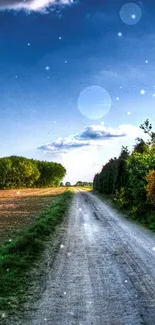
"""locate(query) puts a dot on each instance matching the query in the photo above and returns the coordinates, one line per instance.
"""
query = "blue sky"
(76, 79)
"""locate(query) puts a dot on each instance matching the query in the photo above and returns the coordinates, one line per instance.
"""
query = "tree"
(140, 146)
(147, 128)
(18, 172)
(51, 174)
(68, 184)
(79, 183)
(130, 178)
(5, 168)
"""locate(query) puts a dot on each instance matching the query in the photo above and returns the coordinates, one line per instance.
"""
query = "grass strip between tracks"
(16, 257)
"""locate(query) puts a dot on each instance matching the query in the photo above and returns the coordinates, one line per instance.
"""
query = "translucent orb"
(130, 13)
(142, 92)
(94, 102)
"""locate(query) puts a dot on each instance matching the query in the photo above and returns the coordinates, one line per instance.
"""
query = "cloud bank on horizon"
(31, 5)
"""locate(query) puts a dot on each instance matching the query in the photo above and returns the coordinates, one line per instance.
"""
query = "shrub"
(150, 188)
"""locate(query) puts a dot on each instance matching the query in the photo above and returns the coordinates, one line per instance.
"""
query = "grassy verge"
(17, 257)
(147, 219)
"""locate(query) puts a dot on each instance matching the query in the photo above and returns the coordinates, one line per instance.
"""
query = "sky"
(77, 78)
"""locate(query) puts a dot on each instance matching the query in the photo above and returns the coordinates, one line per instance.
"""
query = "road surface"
(102, 274)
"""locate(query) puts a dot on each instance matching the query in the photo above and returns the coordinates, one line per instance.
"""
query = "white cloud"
(99, 132)
(94, 135)
(64, 145)
(31, 5)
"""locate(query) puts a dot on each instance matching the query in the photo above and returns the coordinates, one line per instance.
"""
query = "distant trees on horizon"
(84, 184)
(79, 183)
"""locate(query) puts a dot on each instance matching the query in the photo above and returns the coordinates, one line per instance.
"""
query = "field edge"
(18, 256)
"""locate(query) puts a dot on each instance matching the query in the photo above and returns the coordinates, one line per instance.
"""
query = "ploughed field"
(19, 208)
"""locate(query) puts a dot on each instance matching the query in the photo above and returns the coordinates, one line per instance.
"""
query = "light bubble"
(130, 13)
(80, 209)
(142, 92)
(120, 34)
(94, 102)
(153, 248)
(61, 246)
(133, 16)
(3, 315)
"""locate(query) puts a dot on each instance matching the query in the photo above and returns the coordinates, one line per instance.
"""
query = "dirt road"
(103, 272)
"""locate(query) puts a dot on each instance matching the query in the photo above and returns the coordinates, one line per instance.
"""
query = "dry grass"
(19, 208)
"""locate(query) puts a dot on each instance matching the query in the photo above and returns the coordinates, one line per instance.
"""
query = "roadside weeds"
(147, 220)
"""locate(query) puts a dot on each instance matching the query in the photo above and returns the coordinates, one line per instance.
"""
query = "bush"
(150, 188)
(120, 198)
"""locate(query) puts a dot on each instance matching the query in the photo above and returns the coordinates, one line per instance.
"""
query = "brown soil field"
(19, 208)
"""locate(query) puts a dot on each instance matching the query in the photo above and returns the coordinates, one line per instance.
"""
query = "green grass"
(17, 257)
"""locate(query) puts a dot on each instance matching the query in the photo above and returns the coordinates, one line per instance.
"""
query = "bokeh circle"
(130, 13)
(94, 102)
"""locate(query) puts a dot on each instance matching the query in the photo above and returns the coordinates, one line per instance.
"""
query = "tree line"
(79, 183)
(130, 178)
(20, 172)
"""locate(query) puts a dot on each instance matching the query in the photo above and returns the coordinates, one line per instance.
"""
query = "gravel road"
(103, 272)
